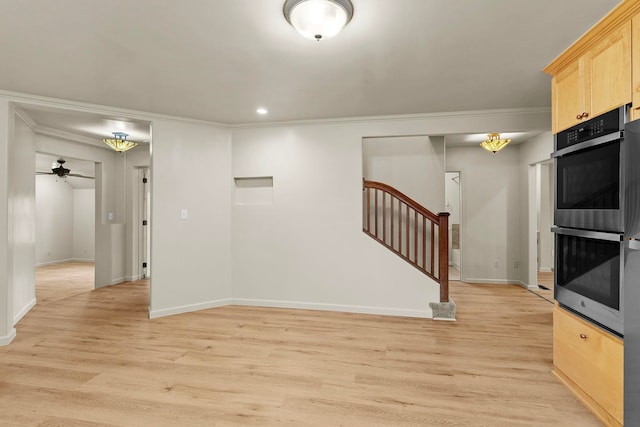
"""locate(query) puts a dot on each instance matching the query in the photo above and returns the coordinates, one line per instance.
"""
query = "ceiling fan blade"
(80, 176)
(44, 173)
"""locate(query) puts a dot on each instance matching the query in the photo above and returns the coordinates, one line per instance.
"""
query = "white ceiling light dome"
(318, 19)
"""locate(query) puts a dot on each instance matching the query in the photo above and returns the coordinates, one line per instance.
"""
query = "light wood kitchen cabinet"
(635, 59)
(590, 361)
(596, 82)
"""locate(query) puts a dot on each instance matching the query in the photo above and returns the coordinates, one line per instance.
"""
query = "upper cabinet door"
(568, 92)
(609, 70)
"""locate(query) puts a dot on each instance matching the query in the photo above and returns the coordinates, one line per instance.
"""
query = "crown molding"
(399, 117)
(70, 136)
(612, 21)
(83, 107)
(25, 117)
(42, 101)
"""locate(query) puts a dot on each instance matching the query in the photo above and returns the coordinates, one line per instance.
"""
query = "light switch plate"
(184, 214)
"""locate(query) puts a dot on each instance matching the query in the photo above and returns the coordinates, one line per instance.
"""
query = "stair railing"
(409, 230)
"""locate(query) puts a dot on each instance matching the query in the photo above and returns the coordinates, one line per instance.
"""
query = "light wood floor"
(94, 359)
(545, 279)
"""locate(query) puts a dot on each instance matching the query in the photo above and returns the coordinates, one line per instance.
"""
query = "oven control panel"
(610, 122)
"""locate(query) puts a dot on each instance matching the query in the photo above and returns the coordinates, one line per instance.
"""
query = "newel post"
(443, 255)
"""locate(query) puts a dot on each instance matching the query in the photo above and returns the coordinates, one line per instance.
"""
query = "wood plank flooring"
(93, 358)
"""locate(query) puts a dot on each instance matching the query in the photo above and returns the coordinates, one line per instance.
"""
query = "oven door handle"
(633, 244)
(599, 235)
(605, 139)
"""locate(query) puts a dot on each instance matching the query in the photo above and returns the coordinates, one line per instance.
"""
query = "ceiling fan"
(62, 172)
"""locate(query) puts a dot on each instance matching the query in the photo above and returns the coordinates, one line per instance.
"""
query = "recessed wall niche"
(256, 190)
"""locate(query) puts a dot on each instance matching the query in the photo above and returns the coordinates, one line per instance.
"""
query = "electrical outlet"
(184, 214)
(110, 216)
(495, 263)
(516, 264)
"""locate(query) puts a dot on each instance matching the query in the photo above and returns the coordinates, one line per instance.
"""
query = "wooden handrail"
(407, 220)
(403, 197)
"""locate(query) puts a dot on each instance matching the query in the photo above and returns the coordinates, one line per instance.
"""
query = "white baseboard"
(59, 261)
(62, 261)
(6, 340)
(24, 311)
(118, 280)
(426, 313)
(132, 278)
(188, 308)
(494, 281)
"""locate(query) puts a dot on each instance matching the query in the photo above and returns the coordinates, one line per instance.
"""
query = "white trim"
(153, 314)
(24, 311)
(397, 117)
(56, 133)
(59, 261)
(426, 313)
(118, 280)
(132, 278)
(6, 340)
(48, 102)
(545, 270)
(495, 281)
(25, 118)
(62, 261)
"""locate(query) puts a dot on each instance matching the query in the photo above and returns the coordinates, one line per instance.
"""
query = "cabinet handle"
(585, 115)
(583, 336)
(637, 108)
(579, 116)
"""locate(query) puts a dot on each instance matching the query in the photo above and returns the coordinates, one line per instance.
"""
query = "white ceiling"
(218, 60)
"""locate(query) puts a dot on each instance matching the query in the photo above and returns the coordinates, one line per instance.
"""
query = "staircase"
(409, 230)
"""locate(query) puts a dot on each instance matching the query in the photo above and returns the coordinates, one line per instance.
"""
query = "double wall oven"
(596, 213)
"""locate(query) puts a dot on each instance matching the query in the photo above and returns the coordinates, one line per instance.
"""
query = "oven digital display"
(602, 125)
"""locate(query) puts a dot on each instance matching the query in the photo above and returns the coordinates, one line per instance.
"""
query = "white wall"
(491, 215)
(532, 152)
(452, 205)
(136, 159)
(54, 220)
(317, 214)
(23, 190)
(65, 221)
(110, 198)
(413, 165)
(545, 216)
(7, 119)
(190, 169)
(307, 249)
(84, 202)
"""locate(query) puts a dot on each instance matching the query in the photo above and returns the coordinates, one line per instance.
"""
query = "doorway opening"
(453, 204)
(544, 183)
(65, 227)
(144, 232)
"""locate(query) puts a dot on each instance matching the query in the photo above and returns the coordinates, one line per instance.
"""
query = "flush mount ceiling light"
(318, 19)
(494, 143)
(119, 142)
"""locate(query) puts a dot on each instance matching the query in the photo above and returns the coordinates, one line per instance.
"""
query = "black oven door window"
(589, 179)
(589, 267)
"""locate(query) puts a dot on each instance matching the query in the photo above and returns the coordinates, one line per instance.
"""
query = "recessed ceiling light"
(261, 111)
